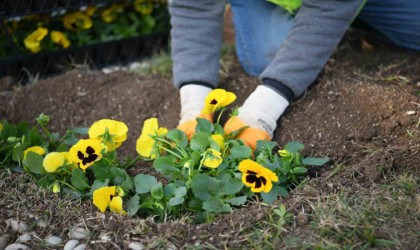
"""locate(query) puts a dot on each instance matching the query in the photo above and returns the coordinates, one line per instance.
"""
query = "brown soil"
(363, 113)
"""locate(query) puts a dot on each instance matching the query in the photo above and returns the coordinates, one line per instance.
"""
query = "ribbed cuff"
(280, 88)
(205, 84)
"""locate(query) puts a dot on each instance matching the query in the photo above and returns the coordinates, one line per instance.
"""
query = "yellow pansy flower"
(36, 149)
(219, 140)
(144, 7)
(145, 142)
(216, 99)
(77, 21)
(110, 14)
(212, 158)
(86, 152)
(60, 38)
(257, 177)
(105, 197)
(111, 132)
(33, 41)
(54, 160)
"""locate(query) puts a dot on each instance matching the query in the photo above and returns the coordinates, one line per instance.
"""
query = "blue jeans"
(260, 27)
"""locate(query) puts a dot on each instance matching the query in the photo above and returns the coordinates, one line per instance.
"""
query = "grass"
(384, 216)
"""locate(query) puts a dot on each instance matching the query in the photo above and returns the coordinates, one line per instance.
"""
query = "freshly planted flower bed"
(40, 44)
(209, 172)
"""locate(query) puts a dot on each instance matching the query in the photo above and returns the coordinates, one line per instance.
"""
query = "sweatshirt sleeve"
(196, 39)
(318, 28)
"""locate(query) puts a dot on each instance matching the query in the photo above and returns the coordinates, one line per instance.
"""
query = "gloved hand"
(250, 135)
(189, 126)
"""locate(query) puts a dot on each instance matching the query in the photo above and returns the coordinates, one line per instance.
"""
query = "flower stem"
(171, 152)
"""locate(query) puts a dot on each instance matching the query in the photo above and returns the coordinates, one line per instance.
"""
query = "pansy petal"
(213, 158)
(36, 149)
(102, 197)
(54, 160)
(230, 97)
(116, 205)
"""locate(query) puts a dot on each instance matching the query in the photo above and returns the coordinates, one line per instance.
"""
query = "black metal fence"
(143, 29)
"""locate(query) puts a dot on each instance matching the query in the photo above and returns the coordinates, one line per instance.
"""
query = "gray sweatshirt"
(197, 38)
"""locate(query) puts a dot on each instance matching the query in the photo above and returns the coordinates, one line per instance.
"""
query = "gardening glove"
(260, 113)
(193, 97)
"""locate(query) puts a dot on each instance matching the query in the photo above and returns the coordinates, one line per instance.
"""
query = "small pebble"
(41, 224)
(136, 246)
(53, 240)
(16, 246)
(78, 233)
(411, 112)
(24, 237)
(302, 219)
(106, 237)
(80, 247)
(19, 226)
(71, 244)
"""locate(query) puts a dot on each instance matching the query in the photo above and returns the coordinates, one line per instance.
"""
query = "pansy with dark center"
(257, 177)
(253, 178)
(86, 152)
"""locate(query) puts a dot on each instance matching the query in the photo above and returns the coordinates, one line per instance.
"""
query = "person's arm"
(319, 26)
(196, 39)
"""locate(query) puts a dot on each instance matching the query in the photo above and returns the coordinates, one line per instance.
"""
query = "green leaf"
(273, 195)
(232, 186)
(237, 201)
(298, 170)
(178, 137)
(294, 147)
(204, 125)
(101, 172)
(240, 152)
(204, 186)
(132, 205)
(265, 146)
(157, 191)
(174, 201)
(178, 198)
(165, 166)
(34, 163)
(312, 161)
(200, 141)
(219, 129)
(79, 180)
(79, 130)
(127, 185)
(144, 183)
(216, 205)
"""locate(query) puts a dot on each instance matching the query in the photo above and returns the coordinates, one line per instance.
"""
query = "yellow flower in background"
(36, 149)
(145, 142)
(54, 160)
(105, 197)
(1, 126)
(144, 7)
(212, 158)
(60, 38)
(217, 98)
(110, 14)
(86, 152)
(77, 21)
(33, 41)
(257, 177)
(219, 140)
(90, 10)
(111, 132)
